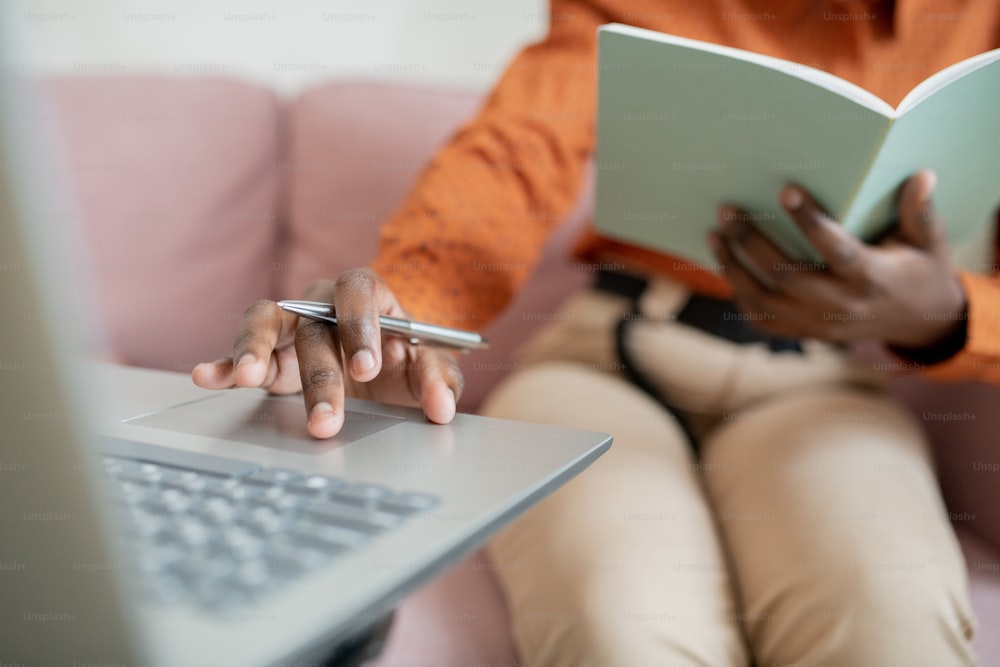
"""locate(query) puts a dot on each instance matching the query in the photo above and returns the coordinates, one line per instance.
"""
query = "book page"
(681, 131)
(936, 82)
(955, 132)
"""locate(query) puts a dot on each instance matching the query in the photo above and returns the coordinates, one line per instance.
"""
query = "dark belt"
(716, 317)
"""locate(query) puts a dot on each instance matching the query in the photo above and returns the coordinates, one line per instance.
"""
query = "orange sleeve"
(979, 359)
(473, 225)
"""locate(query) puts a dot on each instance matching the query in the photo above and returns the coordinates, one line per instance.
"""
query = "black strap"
(632, 374)
(720, 318)
(619, 283)
(716, 317)
(362, 646)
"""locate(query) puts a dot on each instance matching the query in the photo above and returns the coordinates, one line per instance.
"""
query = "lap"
(817, 502)
(623, 564)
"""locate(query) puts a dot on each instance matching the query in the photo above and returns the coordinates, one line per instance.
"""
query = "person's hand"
(285, 354)
(902, 291)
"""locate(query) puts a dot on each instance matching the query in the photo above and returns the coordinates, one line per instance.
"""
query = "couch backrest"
(175, 182)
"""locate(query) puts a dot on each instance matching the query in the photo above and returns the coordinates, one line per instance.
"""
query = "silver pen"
(414, 331)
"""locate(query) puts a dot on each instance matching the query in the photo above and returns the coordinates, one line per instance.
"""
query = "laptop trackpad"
(268, 421)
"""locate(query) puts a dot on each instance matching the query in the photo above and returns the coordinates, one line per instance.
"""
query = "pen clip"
(309, 313)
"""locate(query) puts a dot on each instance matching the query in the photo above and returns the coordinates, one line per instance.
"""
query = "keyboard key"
(231, 490)
(282, 504)
(314, 485)
(115, 467)
(326, 536)
(300, 556)
(170, 501)
(143, 525)
(241, 544)
(407, 504)
(253, 575)
(228, 601)
(192, 532)
(153, 561)
(264, 520)
(274, 476)
(217, 510)
(140, 475)
(131, 494)
(220, 485)
(260, 493)
(361, 494)
(204, 576)
(188, 480)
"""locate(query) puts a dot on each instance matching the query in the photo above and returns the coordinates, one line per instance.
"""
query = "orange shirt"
(473, 226)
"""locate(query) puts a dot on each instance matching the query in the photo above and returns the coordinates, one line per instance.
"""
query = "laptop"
(148, 522)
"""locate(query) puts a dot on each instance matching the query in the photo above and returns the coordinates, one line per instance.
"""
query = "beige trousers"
(810, 531)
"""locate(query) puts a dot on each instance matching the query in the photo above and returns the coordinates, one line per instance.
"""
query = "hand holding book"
(687, 125)
(902, 291)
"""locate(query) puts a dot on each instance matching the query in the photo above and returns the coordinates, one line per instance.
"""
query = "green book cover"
(684, 126)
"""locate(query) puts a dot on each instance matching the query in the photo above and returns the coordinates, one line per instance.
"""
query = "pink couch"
(199, 196)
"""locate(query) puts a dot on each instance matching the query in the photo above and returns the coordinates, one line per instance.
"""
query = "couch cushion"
(457, 620)
(175, 182)
(963, 422)
(984, 586)
(355, 150)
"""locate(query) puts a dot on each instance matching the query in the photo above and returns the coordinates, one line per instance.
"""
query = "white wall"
(285, 43)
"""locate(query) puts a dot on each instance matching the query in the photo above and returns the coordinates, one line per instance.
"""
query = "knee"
(829, 494)
(581, 624)
(812, 423)
(601, 623)
(871, 614)
(574, 632)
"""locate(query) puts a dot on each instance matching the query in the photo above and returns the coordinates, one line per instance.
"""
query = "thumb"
(919, 224)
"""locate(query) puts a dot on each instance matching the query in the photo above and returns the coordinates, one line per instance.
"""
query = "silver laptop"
(148, 522)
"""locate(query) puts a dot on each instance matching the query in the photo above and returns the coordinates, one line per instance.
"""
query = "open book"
(683, 126)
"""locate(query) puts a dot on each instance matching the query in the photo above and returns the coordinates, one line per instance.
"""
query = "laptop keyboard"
(222, 534)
